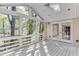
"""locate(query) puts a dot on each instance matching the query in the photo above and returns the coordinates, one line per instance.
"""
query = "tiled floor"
(47, 48)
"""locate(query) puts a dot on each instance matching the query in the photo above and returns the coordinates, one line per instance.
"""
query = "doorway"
(62, 31)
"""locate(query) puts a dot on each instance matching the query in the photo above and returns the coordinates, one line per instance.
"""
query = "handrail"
(8, 44)
(14, 37)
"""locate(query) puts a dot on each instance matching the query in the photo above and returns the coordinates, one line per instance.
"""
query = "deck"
(47, 48)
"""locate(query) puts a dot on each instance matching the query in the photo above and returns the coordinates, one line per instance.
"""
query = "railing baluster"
(8, 44)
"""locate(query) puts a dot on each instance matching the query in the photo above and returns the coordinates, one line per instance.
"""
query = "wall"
(49, 30)
(76, 31)
(45, 31)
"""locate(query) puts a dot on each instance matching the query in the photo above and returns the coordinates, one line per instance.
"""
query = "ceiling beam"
(22, 4)
(14, 13)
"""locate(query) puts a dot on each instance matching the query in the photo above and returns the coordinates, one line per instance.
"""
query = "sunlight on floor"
(37, 45)
(35, 48)
(8, 53)
(46, 51)
(37, 53)
(43, 42)
(28, 54)
(43, 48)
(30, 48)
(17, 53)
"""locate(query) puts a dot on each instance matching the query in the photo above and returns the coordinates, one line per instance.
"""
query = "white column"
(20, 40)
(38, 23)
(36, 34)
(30, 13)
(60, 31)
(45, 31)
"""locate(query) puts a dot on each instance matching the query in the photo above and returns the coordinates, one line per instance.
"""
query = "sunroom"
(39, 29)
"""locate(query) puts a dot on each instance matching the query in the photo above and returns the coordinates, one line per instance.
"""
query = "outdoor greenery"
(41, 27)
(1, 23)
(29, 26)
(15, 26)
(9, 25)
(4, 24)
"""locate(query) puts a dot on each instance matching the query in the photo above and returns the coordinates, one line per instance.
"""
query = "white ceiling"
(48, 14)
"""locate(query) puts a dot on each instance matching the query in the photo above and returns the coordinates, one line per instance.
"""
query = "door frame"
(60, 31)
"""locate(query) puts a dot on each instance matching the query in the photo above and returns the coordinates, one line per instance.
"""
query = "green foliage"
(2, 18)
(41, 27)
(29, 26)
(17, 20)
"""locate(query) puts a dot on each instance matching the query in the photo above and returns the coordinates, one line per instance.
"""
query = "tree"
(29, 26)
(12, 21)
(2, 24)
(41, 27)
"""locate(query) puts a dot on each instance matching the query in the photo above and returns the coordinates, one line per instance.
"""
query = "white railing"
(8, 44)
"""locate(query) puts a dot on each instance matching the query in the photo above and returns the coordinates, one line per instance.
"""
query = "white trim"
(9, 12)
(14, 13)
(60, 39)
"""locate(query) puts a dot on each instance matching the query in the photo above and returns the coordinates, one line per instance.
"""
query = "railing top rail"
(14, 37)
(18, 37)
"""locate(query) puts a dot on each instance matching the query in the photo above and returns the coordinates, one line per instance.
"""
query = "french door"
(62, 31)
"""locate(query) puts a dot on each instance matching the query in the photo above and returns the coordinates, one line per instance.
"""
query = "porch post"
(20, 29)
(37, 29)
(45, 31)
(60, 31)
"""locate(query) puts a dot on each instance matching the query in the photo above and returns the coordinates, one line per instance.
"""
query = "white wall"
(49, 30)
(76, 31)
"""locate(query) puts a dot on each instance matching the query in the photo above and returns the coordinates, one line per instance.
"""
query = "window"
(66, 30)
(55, 30)
(17, 26)
(4, 26)
(22, 9)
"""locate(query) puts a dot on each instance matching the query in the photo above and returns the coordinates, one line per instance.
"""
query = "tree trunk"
(13, 23)
(3, 28)
(13, 26)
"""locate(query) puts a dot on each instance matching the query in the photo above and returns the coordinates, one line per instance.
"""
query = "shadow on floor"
(46, 48)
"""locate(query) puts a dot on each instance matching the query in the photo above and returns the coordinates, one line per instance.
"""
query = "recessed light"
(68, 9)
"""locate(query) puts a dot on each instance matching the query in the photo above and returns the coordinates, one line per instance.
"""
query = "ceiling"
(51, 15)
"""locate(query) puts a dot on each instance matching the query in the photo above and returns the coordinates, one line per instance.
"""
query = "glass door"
(66, 31)
(62, 31)
(56, 31)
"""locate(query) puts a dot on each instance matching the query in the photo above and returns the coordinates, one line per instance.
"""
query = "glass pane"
(17, 26)
(22, 9)
(25, 26)
(66, 31)
(4, 25)
(55, 30)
